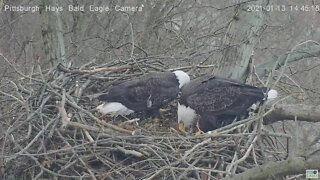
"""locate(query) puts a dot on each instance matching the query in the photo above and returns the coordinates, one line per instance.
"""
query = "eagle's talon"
(198, 133)
(181, 127)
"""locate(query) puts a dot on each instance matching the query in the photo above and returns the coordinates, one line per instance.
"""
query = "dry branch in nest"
(55, 129)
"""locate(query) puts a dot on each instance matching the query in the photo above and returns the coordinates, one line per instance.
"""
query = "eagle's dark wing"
(206, 82)
(219, 96)
(147, 92)
(162, 91)
(213, 100)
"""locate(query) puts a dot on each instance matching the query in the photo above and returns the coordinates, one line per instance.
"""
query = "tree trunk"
(52, 33)
(239, 41)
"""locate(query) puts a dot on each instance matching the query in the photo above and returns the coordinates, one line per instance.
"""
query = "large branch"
(297, 165)
(312, 51)
(303, 112)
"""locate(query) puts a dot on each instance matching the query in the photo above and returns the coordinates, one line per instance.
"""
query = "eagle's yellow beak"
(181, 127)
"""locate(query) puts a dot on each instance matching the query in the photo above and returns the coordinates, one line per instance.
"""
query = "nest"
(53, 131)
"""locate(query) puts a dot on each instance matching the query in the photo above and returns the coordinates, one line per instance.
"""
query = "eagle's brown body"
(147, 93)
(219, 100)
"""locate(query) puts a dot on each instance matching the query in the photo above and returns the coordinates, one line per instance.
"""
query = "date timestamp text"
(282, 8)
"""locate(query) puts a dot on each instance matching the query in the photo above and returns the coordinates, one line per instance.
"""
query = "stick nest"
(51, 130)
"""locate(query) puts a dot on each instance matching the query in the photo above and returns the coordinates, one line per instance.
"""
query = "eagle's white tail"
(114, 109)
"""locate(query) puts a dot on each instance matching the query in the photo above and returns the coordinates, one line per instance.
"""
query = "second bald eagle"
(218, 101)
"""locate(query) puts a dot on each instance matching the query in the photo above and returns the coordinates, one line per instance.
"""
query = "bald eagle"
(218, 101)
(145, 94)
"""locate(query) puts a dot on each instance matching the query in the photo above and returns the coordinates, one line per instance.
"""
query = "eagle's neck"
(186, 115)
(183, 78)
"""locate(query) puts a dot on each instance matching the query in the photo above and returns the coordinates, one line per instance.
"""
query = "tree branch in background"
(312, 51)
(96, 70)
(303, 112)
(279, 169)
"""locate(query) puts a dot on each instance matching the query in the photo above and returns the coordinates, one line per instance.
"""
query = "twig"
(80, 159)
(16, 70)
(189, 67)
(33, 140)
(13, 97)
(62, 111)
(247, 152)
(39, 164)
(187, 153)
(114, 127)
(91, 71)
(130, 152)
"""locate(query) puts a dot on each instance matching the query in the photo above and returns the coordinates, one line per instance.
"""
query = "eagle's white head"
(182, 77)
(186, 115)
(272, 96)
